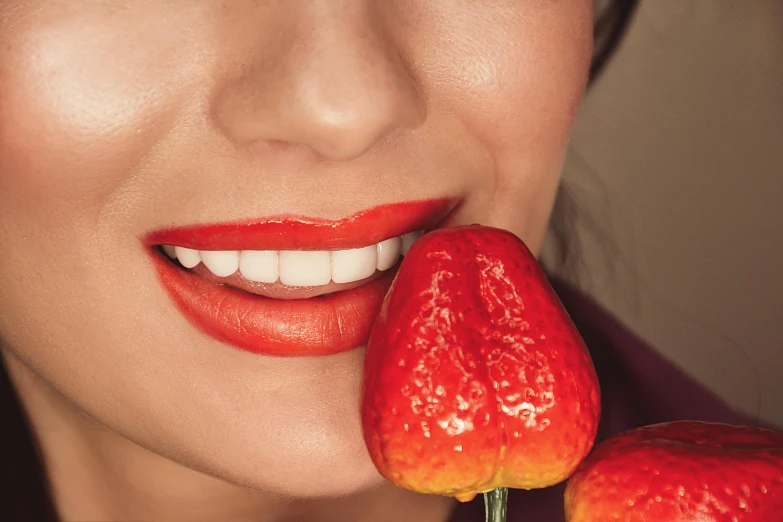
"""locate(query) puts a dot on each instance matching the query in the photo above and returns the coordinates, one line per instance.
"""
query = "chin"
(287, 427)
(315, 461)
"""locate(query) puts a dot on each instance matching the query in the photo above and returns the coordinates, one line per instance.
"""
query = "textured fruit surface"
(475, 377)
(681, 472)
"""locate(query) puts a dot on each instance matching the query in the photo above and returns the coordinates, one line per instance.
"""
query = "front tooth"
(305, 267)
(187, 257)
(389, 253)
(354, 264)
(259, 265)
(222, 263)
(170, 251)
(408, 240)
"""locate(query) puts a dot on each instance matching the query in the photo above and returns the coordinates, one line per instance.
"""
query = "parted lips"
(681, 472)
(475, 377)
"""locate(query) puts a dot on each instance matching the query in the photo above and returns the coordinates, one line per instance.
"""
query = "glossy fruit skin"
(681, 472)
(475, 377)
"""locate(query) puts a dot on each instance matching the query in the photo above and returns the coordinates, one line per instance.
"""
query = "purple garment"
(638, 387)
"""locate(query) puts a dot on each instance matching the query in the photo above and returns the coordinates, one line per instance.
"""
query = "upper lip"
(293, 232)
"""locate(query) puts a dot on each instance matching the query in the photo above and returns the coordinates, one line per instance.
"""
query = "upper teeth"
(299, 267)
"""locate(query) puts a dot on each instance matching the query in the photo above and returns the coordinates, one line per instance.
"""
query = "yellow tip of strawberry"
(465, 497)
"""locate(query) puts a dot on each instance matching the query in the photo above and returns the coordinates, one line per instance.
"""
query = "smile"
(290, 286)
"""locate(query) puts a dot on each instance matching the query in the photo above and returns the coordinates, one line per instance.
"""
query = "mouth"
(290, 286)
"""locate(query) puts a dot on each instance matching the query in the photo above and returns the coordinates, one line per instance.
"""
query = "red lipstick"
(289, 232)
(313, 326)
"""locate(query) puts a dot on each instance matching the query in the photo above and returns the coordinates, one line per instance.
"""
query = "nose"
(332, 81)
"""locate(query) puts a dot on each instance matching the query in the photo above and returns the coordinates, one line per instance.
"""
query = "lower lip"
(288, 328)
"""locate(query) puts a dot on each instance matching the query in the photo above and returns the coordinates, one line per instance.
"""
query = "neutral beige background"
(677, 167)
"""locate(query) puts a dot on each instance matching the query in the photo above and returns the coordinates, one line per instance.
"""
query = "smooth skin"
(122, 116)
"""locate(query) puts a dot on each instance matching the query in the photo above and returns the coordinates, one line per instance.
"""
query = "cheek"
(517, 88)
(78, 115)
(520, 86)
(83, 103)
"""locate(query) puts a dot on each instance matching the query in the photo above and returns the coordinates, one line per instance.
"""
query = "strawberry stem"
(495, 504)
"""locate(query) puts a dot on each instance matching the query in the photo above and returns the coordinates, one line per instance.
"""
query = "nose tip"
(341, 115)
(339, 91)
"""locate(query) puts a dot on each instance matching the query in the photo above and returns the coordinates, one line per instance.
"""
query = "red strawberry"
(681, 472)
(475, 377)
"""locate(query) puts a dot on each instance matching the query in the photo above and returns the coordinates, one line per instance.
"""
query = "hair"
(612, 20)
(23, 481)
(611, 23)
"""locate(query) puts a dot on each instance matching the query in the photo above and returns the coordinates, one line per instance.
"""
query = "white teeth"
(305, 267)
(187, 257)
(408, 240)
(222, 263)
(355, 264)
(299, 267)
(259, 265)
(389, 253)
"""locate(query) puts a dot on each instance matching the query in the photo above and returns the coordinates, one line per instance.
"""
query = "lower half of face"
(112, 146)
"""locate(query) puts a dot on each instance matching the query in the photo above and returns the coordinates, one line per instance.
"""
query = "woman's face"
(121, 118)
